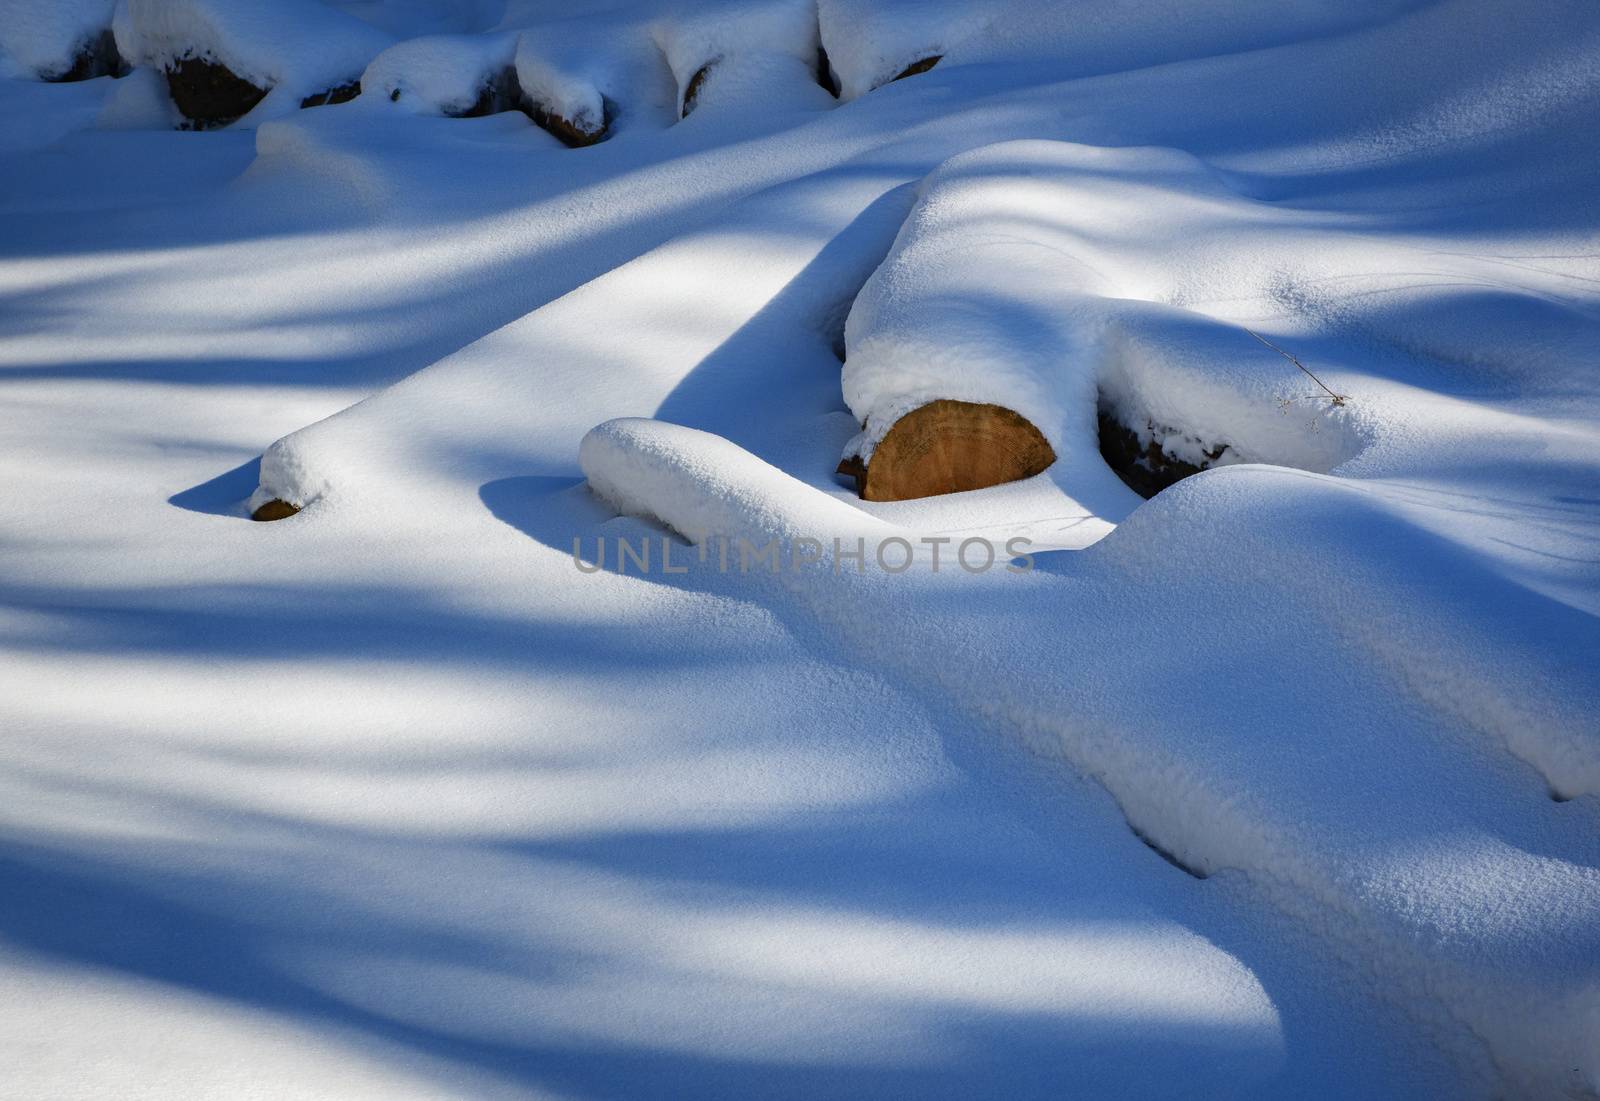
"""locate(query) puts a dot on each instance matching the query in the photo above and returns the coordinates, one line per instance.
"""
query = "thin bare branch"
(1338, 399)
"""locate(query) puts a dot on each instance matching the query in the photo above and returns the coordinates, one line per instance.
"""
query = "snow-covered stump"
(948, 447)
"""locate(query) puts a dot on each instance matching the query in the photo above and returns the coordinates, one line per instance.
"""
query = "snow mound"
(702, 485)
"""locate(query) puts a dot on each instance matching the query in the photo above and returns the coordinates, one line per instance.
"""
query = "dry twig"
(1338, 399)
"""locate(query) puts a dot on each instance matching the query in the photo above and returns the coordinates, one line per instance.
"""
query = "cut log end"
(916, 68)
(210, 95)
(275, 510)
(342, 93)
(95, 56)
(691, 91)
(950, 447)
(570, 133)
(502, 91)
(825, 74)
(1145, 467)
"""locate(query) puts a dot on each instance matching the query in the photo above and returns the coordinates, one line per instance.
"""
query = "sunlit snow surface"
(390, 799)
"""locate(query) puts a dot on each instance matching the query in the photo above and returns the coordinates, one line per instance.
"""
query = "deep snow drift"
(1285, 782)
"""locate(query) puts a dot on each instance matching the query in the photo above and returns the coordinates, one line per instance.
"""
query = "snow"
(44, 37)
(701, 485)
(1282, 783)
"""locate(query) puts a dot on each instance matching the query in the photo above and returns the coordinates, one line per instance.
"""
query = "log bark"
(949, 447)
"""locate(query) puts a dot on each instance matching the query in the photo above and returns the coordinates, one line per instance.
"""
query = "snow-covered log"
(559, 91)
(455, 75)
(871, 43)
(61, 40)
(1004, 292)
(228, 59)
(701, 45)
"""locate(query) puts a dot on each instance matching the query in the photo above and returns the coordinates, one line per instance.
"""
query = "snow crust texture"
(1284, 782)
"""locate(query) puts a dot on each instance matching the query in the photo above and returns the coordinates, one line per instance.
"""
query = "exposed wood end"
(570, 133)
(96, 56)
(916, 68)
(825, 74)
(950, 447)
(342, 93)
(275, 510)
(691, 91)
(210, 95)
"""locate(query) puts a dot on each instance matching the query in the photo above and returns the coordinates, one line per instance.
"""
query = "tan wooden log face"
(570, 133)
(274, 510)
(948, 447)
